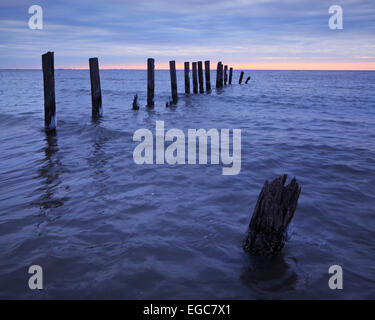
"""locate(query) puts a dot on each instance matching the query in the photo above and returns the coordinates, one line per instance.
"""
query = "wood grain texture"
(49, 91)
(275, 208)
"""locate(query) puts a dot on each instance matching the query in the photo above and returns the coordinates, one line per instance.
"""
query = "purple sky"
(251, 33)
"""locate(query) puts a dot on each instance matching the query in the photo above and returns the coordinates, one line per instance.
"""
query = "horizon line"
(181, 69)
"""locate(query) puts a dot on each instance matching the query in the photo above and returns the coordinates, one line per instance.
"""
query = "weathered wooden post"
(230, 75)
(219, 74)
(247, 80)
(208, 75)
(135, 102)
(273, 212)
(241, 77)
(150, 82)
(200, 77)
(172, 69)
(225, 75)
(221, 82)
(96, 92)
(195, 78)
(49, 91)
(187, 77)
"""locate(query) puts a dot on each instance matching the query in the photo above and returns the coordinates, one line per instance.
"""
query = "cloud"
(127, 32)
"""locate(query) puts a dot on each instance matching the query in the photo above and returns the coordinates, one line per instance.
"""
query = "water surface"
(103, 227)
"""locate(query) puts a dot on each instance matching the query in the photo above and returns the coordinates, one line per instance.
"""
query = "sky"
(247, 34)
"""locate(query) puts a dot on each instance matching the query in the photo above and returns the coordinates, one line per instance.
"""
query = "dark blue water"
(103, 227)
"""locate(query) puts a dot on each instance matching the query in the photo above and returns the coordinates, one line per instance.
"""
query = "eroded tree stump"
(135, 102)
(274, 210)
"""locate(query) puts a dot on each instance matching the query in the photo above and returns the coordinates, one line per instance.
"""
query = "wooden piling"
(195, 78)
(135, 102)
(172, 70)
(187, 77)
(218, 75)
(208, 75)
(221, 82)
(225, 75)
(49, 91)
(230, 75)
(96, 93)
(150, 82)
(247, 80)
(241, 77)
(275, 208)
(200, 77)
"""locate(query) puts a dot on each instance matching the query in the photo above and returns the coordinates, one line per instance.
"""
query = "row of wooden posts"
(269, 211)
(96, 95)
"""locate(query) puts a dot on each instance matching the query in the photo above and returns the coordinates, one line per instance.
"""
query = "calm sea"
(103, 227)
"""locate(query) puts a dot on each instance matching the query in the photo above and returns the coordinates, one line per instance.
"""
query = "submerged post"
(187, 77)
(135, 102)
(200, 77)
(230, 75)
(195, 78)
(208, 75)
(273, 212)
(247, 80)
(172, 70)
(225, 75)
(150, 82)
(96, 93)
(241, 77)
(49, 91)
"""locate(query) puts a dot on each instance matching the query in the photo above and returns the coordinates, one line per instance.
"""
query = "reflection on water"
(97, 158)
(269, 274)
(49, 175)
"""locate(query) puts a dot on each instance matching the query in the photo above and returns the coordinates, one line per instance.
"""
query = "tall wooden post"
(150, 82)
(230, 75)
(195, 78)
(208, 75)
(96, 93)
(187, 77)
(221, 79)
(225, 75)
(172, 70)
(218, 75)
(241, 77)
(200, 77)
(49, 91)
